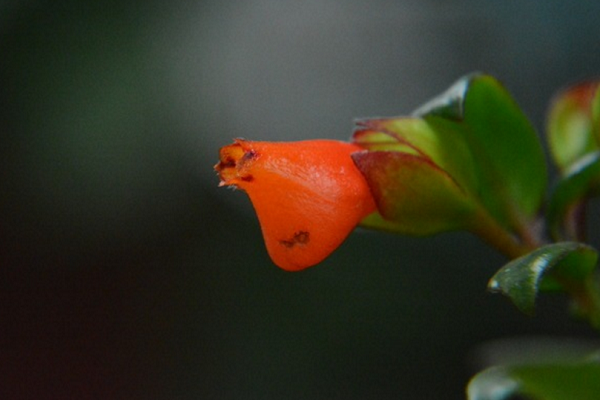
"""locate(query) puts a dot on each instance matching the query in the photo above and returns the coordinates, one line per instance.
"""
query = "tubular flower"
(308, 195)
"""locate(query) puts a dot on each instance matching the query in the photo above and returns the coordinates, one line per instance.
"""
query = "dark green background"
(125, 273)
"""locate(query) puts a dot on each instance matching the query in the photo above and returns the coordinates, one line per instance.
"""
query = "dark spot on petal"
(228, 162)
(247, 178)
(248, 155)
(301, 237)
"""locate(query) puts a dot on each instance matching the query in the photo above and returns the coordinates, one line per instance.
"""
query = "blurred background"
(125, 273)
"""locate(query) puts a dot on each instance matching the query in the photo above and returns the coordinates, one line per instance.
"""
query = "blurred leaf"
(571, 131)
(579, 182)
(492, 384)
(520, 279)
(501, 141)
(579, 381)
(413, 193)
(566, 381)
(596, 112)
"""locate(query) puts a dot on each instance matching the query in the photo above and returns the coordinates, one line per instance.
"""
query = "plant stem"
(494, 234)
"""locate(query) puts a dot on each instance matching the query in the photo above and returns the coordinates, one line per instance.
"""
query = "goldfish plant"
(468, 160)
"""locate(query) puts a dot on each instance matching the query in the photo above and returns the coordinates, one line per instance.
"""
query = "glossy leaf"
(581, 181)
(501, 141)
(522, 278)
(558, 381)
(572, 132)
(413, 193)
(451, 103)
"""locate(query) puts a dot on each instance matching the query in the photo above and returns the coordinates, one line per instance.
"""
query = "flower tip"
(231, 163)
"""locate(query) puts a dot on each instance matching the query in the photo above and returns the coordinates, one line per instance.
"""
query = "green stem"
(494, 234)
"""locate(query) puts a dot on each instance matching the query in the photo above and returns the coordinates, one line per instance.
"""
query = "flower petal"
(308, 195)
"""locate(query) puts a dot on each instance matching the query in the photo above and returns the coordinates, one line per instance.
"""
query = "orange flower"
(308, 195)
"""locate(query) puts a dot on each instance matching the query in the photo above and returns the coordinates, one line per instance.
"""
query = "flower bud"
(573, 126)
(308, 195)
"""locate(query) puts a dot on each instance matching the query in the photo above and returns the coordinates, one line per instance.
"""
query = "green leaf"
(415, 136)
(477, 135)
(572, 131)
(580, 182)
(501, 141)
(492, 384)
(412, 193)
(450, 104)
(522, 278)
(559, 381)
(596, 113)
(579, 381)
